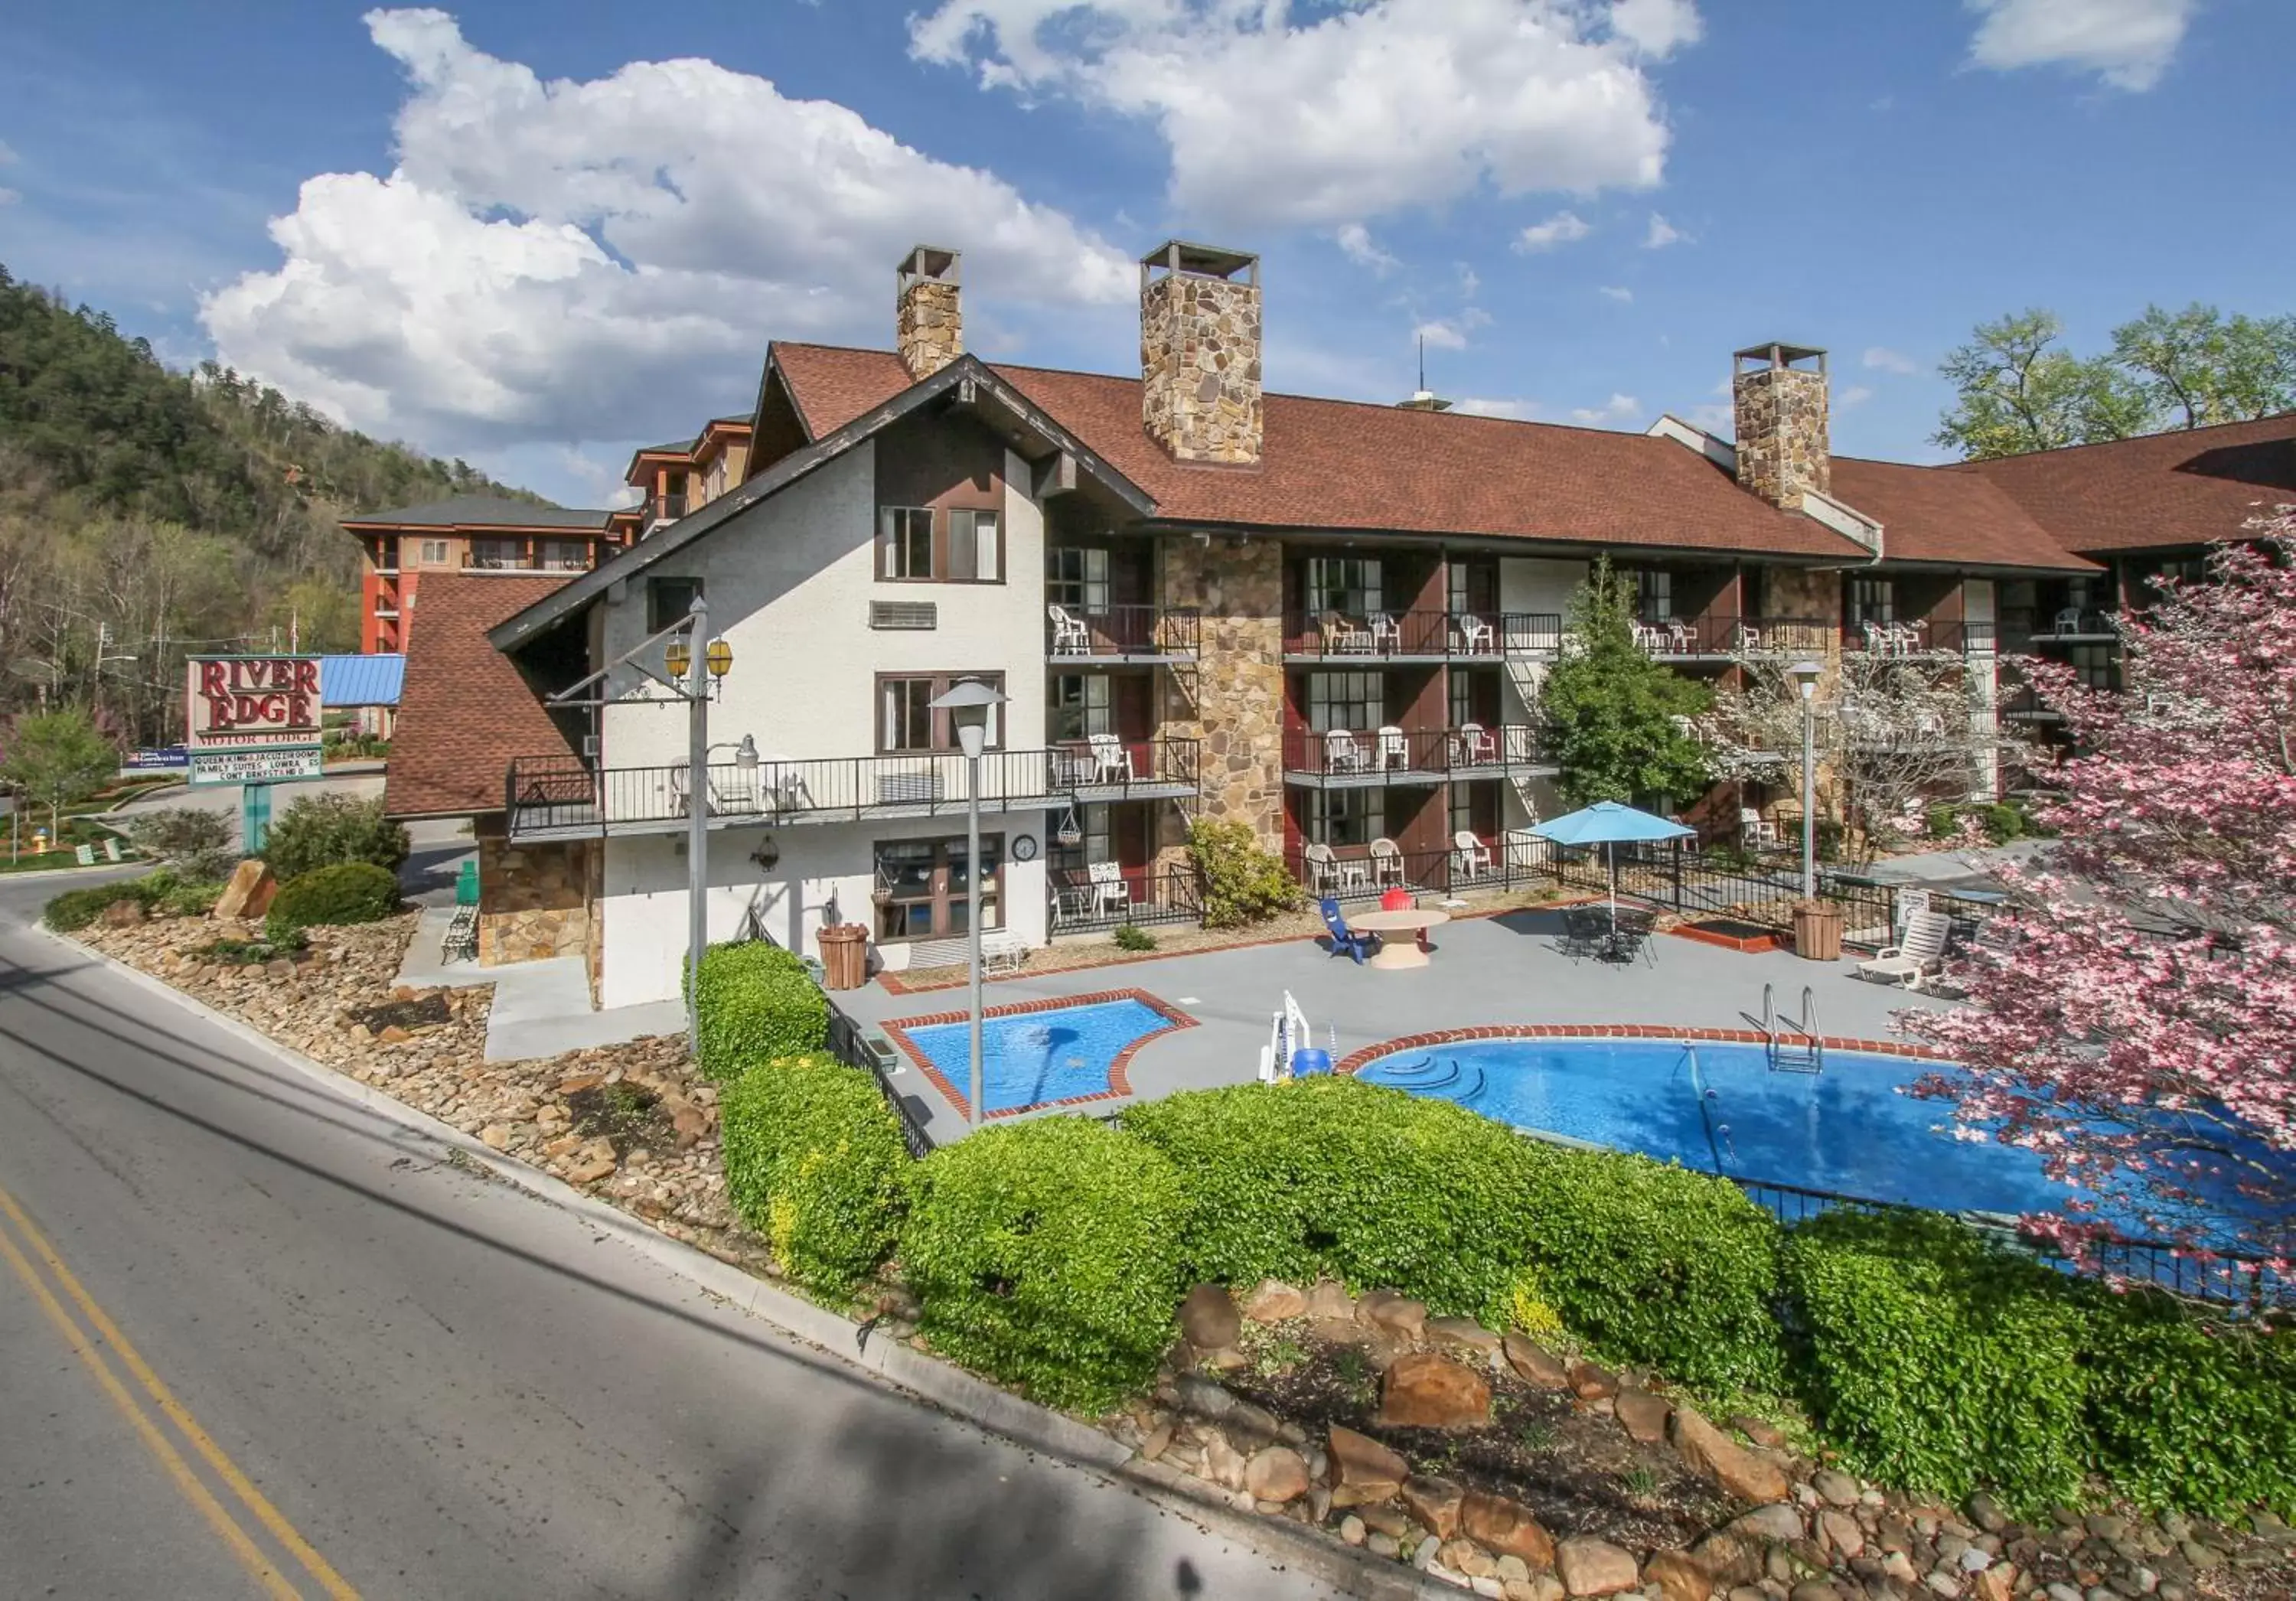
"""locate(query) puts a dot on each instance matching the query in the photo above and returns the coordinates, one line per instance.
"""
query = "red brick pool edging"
(1120, 1085)
(1357, 1059)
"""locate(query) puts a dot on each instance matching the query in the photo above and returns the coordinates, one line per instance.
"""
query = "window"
(1872, 600)
(1654, 594)
(1462, 810)
(1081, 706)
(497, 554)
(906, 535)
(434, 553)
(924, 883)
(1350, 701)
(1347, 584)
(1463, 701)
(669, 599)
(1076, 577)
(1345, 816)
(906, 721)
(976, 553)
(566, 555)
(2091, 664)
(1098, 845)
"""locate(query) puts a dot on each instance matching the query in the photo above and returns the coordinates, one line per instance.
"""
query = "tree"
(1893, 732)
(2138, 1025)
(2017, 393)
(2197, 366)
(57, 759)
(1619, 723)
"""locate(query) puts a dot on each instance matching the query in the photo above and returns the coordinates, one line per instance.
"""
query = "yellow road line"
(177, 1469)
(241, 1485)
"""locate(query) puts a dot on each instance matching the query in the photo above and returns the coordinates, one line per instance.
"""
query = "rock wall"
(1782, 448)
(1237, 706)
(534, 900)
(927, 326)
(1199, 368)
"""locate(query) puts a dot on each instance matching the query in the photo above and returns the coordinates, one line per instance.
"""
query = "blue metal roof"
(361, 680)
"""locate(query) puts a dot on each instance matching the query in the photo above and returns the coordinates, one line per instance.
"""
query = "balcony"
(1147, 897)
(1354, 873)
(1420, 635)
(2021, 628)
(2025, 706)
(563, 796)
(1346, 758)
(526, 562)
(1921, 634)
(1121, 634)
(1715, 636)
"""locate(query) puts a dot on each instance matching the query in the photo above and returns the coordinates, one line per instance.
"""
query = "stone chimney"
(928, 323)
(1199, 353)
(1778, 392)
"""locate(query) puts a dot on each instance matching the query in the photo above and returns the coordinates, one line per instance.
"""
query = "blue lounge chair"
(1345, 940)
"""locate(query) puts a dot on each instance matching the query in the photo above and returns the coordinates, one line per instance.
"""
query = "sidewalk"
(540, 1008)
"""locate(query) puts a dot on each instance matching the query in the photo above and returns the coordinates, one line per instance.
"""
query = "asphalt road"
(253, 1339)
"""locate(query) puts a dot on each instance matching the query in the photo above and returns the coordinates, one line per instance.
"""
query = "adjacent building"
(469, 533)
(1327, 620)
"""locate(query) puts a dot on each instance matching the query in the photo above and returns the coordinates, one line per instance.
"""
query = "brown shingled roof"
(1347, 464)
(2186, 488)
(465, 710)
(1929, 514)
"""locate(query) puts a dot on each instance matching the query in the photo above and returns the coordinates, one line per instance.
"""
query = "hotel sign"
(253, 719)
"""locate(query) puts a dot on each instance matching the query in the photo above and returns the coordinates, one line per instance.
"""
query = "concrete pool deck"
(1486, 971)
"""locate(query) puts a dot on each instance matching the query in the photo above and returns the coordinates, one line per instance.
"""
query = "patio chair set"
(1381, 634)
(1104, 759)
(1664, 638)
(1608, 934)
(1895, 639)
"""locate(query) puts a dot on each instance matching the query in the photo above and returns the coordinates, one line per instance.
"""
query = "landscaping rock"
(1274, 1302)
(1208, 1317)
(1679, 1576)
(1360, 1470)
(1434, 1502)
(1774, 1522)
(1278, 1474)
(1644, 1416)
(1329, 1299)
(1838, 1489)
(1224, 1464)
(248, 893)
(1595, 1567)
(1760, 1431)
(1423, 1390)
(1730, 1558)
(1840, 1532)
(1352, 1529)
(1742, 1476)
(1507, 1527)
(1159, 1441)
(1534, 1363)
(1397, 1314)
(123, 914)
(1464, 1333)
(1986, 1513)
(1590, 1382)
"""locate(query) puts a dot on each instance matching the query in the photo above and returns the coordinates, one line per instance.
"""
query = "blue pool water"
(1847, 1129)
(1035, 1058)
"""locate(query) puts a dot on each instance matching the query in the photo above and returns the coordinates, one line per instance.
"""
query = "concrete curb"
(944, 1386)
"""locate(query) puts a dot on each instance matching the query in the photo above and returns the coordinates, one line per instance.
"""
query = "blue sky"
(534, 234)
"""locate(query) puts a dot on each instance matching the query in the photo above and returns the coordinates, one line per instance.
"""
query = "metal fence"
(1145, 897)
(869, 1049)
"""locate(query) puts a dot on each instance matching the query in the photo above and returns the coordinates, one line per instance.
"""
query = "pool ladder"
(1794, 1047)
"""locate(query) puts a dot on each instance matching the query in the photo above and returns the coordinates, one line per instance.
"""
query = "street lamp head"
(1804, 674)
(719, 657)
(677, 656)
(968, 704)
(745, 754)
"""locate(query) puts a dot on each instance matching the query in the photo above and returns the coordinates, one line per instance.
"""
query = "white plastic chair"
(1343, 636)
(1341, 754)
(1917, 956)
(1647, 638)
(1111, 761)
(1394, 750)
(1476, 636)
(1327, 874)
(1476, 744)
(1386, 633)
(1472, 855)
(1110, 892)
(1070, 637)
(2069, 622)
(1749, 639)
(1386, 862)
(1678, 636)
(1754, 829)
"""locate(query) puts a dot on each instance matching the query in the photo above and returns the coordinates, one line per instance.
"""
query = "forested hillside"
(164, 513)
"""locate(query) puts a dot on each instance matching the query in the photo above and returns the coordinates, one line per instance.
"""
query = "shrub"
(2190, 1416)
(2003, 823)
(1940, 1362)
(1943, 821)
(347, 892)
(756, 1002)
(1048, 1253)
(185, 897)
(75, 909)
(1241, 882)
(1131, 936)
(815, 1162)
(325, 831)
(197, 843)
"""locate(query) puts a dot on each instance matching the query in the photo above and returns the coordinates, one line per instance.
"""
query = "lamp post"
(969, 705)
(696, 667)
(1804, 674)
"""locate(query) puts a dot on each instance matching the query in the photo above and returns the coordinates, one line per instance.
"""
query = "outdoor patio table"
(1397, 954)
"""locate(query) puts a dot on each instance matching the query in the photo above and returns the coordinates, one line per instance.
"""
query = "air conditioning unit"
(906, 789)
(589, 747)
(904, 614)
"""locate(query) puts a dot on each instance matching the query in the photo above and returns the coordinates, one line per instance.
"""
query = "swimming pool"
(1040, 1053)
(1718, 1106)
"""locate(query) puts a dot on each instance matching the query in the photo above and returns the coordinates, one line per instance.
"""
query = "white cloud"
(1351, 113)
(9, 197)
(1662, 233)
(1357, 245)
(1516, 409)
(1856, 394)
(1441, 334)
(1468, 281)
(1881, 358)
(1564, 227)
(1617, 291)
(1617, 408)
(2126, 43)
(548, 260)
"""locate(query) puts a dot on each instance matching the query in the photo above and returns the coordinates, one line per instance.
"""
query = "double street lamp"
(969, 706)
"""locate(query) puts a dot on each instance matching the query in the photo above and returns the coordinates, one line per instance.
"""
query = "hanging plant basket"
(1070, 833)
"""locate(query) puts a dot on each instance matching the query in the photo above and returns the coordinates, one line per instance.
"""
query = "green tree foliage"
(179, 511)
(322, 830)
(1614, 714)
(57, 759)
(2018, 389)
(1241, 882)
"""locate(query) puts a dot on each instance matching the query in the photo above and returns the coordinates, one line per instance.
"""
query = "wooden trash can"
(844, 955)
(1817, 931)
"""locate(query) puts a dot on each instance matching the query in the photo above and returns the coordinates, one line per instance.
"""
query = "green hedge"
(1048, 1253)
(165, 893)
(814, 1163)
(756, 1002)
(347, 892)
(1939, 1363)
(2193, 1417)
(1378, 1188)
(330, 830)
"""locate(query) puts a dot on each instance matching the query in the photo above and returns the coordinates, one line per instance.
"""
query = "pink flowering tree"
(2136, 1024)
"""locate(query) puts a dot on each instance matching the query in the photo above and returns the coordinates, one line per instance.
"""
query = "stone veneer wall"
(1783, 448)
(1237, 585)
(1199, 368)
(927, 326)
(534, 900)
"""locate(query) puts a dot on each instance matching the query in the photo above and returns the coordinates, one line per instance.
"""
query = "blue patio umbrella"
(1607, 822)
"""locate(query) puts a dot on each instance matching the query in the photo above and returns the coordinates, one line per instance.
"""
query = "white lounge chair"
(1918, 957)
(1070, 637)
(1112, 763)
(1386, 862)
(1394, 750)
(1471, 856)
(1341, 754)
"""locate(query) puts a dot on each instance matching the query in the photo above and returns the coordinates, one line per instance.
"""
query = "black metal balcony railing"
(1449, 634)
(1918, 635)
(1360, 873)
(2021, 626)
(2025, 706)
(1726, 633)
(545, 794)
(1094, 900)
(1394, 752)
(1085, 632)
